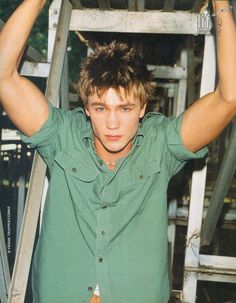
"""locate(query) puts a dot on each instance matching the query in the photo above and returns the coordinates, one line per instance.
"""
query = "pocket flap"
(140, 173)
(76, 167)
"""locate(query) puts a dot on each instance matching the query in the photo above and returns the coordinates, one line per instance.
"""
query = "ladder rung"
(211, 271)
(215, 268)
(35, 69)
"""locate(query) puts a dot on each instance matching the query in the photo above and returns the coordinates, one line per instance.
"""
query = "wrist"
(218, 4)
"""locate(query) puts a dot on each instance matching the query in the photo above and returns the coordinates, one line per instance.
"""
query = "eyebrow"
(121, 105)
(98, 103)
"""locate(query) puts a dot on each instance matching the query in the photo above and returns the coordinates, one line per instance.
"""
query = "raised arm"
(208, 116)
(22, 100)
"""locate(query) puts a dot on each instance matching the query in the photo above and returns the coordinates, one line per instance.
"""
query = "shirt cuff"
(175, 143)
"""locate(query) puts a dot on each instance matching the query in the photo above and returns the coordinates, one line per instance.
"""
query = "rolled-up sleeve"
(45, 140)
(177, 154)
(174, 141)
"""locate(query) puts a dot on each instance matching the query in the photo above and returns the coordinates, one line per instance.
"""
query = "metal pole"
(21, 193)
(64, 89)
(33, 201)
(198, 188)
(4, 266)
(223, 181)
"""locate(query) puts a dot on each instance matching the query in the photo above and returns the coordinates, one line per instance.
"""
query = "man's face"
(114, 118)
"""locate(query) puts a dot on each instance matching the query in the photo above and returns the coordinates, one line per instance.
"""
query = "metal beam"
(158, 71)
(140, 5)
(168, 72)
(136, 5)
(196, 6)
(180, 103)
(223, 181)
(215, 268)
(136, 22)
(191, 97)
(35, 69)
(4, 267)
(198, 187)
(64, 88)
(104, 4)
(33, 55)
(21, 192)
(33, 201)
(132, 5)
(169, 6)
(76, 4)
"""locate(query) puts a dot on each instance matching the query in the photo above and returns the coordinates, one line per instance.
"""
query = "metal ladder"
(200, 266)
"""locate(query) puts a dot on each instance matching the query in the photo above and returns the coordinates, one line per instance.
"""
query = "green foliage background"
(38, 37)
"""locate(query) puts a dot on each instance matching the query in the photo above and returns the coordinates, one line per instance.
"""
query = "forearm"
(15, 33)
(226, 51)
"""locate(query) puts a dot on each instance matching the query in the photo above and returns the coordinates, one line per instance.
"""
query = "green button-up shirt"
(100, 226)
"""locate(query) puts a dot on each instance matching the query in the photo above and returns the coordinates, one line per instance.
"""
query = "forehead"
(113, 96)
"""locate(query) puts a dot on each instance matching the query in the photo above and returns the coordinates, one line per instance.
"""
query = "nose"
(112, 121)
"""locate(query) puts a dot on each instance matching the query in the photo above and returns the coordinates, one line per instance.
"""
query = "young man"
(105, 218)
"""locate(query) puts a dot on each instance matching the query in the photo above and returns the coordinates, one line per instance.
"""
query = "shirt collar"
(139, 135)
(88, 133)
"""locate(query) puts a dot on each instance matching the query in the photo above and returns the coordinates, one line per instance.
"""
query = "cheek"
(133, 120)
(131, 125)
(97, 124)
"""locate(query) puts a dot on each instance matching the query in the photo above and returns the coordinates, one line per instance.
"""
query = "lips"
(113, 138)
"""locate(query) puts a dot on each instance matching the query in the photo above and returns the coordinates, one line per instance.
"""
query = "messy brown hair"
(118, 66)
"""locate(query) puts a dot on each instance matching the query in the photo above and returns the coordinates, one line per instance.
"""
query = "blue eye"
(125, 109)
(100, 109)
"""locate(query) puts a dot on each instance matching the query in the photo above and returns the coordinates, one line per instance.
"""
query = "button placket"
(101, 251)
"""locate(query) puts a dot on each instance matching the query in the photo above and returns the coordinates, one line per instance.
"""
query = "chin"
(114, 149)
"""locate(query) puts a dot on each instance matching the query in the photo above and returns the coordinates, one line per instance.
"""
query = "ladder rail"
(198, 186)
(222, 185)
(4, 266)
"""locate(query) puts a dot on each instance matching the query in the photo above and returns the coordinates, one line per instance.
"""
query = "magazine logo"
(204, 22)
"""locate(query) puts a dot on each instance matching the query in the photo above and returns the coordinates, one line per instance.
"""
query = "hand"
(217, 4)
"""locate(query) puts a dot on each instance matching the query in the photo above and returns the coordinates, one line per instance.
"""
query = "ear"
(142, 111)
(86, 111)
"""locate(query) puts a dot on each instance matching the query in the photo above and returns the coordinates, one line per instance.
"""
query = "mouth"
(113, 138)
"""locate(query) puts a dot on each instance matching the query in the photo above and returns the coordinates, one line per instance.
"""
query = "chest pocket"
(140, 174)
(76, 167)
(139, 186)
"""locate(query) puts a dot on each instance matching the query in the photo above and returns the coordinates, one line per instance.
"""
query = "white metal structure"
(4, 267)
(197, 266)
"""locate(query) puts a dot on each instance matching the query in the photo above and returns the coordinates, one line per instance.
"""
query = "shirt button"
(141, 177)
(90, 288)
(103, 232)
(100, 260)
(74, 170)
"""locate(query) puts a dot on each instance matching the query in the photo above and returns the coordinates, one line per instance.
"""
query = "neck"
(109, 157)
